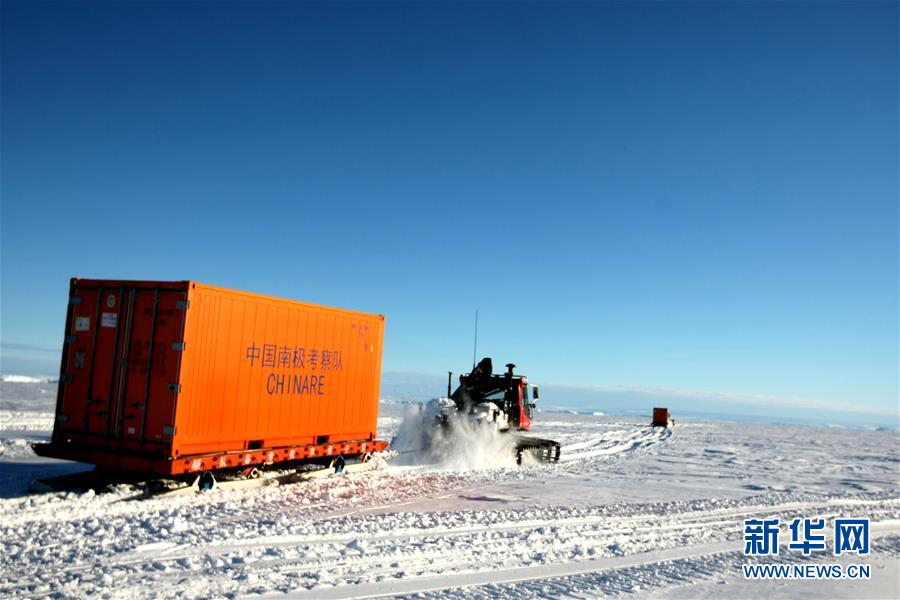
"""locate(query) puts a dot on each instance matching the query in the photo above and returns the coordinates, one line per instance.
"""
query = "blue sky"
(684, 196)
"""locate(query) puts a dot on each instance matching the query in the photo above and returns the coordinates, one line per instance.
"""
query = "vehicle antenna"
(475, 349)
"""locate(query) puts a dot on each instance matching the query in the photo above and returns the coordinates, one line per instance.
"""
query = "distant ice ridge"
(28, 379)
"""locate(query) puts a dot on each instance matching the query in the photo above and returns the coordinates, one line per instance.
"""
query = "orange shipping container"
(660, 417)
(181, 377)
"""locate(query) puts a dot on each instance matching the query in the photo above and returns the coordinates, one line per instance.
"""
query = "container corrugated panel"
(164, 370)
(273, 372)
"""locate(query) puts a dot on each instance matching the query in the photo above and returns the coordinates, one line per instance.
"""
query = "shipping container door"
(92, 359)
(75, 376)
(131, 398)
(150, 384)
(109, 335)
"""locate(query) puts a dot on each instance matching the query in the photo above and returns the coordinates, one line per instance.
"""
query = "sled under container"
(181, 377)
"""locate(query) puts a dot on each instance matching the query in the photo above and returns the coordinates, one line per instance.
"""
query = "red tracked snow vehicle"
(501, 401)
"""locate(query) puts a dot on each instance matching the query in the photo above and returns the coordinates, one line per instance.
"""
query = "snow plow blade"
(537, 450)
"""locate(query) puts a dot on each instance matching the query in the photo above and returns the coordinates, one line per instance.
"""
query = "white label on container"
(131, 431)
(82, 323)
(109, 320)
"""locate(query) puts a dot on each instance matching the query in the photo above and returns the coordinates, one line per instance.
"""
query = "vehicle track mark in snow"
(611, 526)
(414, 545)
(514, 575)
(676, 564)
(616, 442)
(652, 577)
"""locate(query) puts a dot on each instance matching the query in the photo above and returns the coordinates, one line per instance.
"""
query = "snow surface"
(629, 510)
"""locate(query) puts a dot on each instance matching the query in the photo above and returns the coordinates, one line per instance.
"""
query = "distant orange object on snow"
(660, 417)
